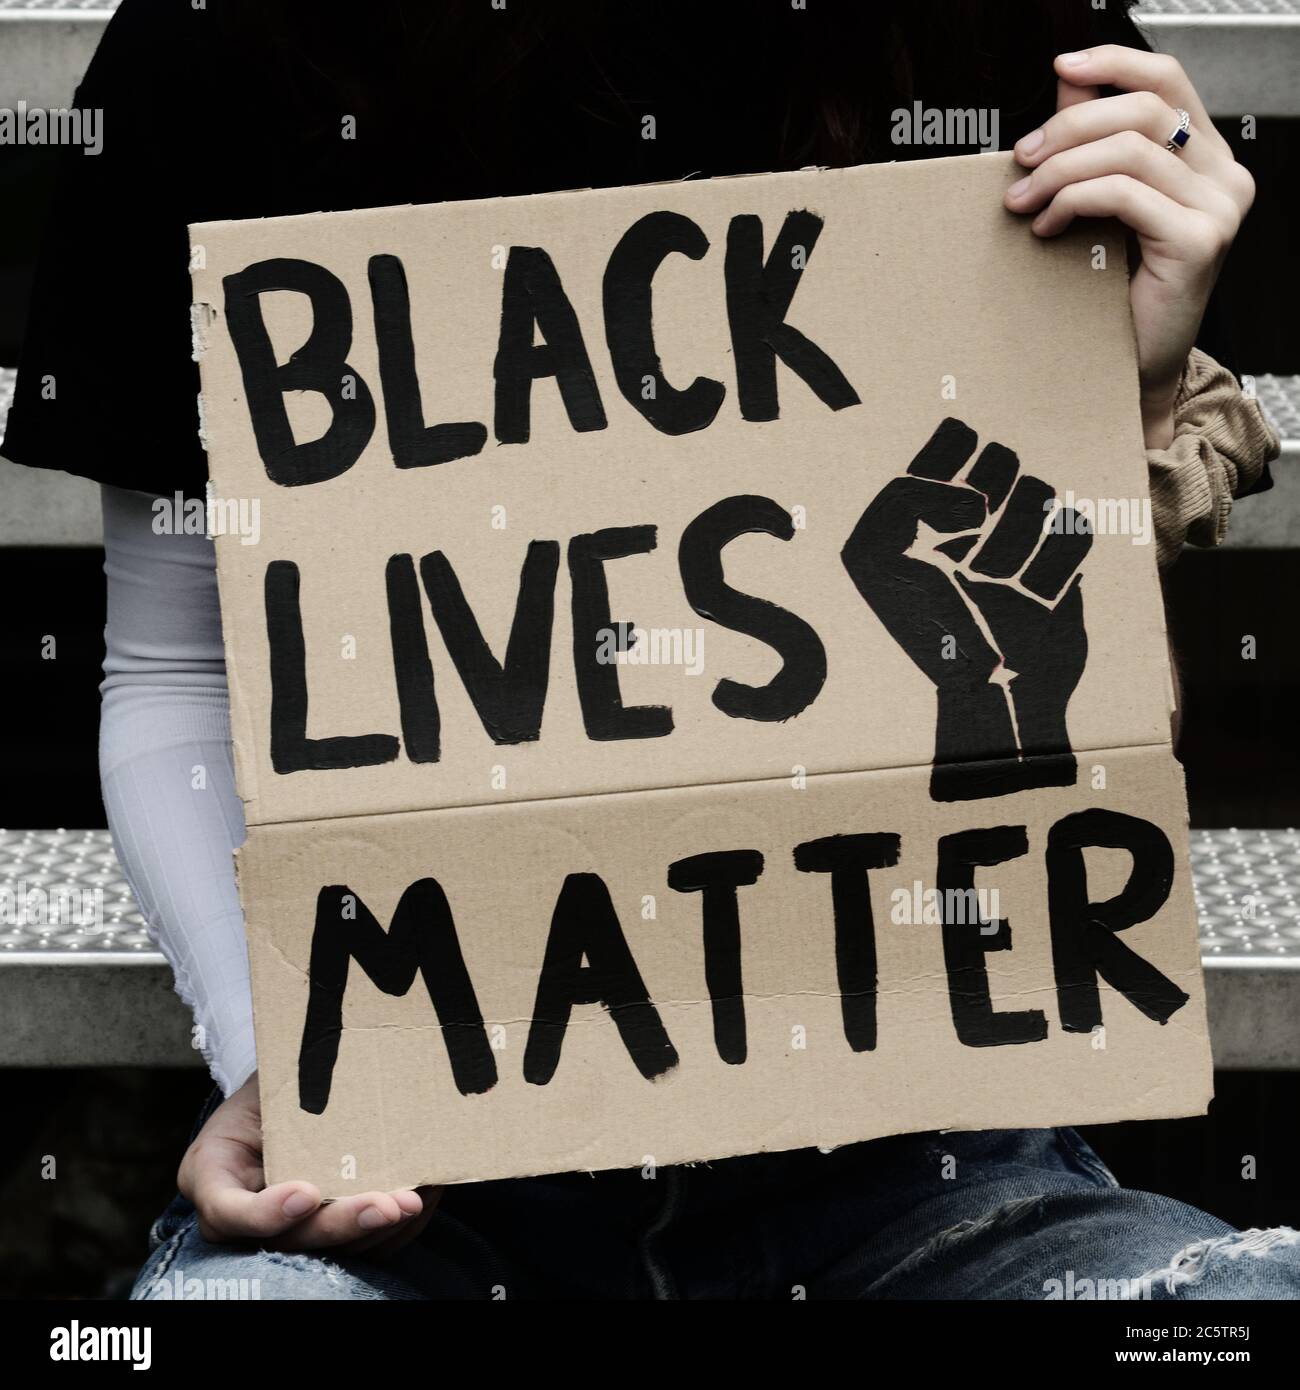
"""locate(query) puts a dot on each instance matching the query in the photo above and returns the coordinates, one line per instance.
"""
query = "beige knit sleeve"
(1222, 441)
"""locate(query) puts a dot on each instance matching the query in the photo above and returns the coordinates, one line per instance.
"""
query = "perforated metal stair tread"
(1247, 886)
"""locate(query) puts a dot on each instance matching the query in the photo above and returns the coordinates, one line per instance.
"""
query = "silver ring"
(1182, 132)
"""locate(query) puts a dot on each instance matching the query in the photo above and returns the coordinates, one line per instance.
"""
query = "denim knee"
(184, 1266)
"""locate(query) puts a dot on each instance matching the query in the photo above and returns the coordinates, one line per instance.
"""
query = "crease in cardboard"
(668, 788)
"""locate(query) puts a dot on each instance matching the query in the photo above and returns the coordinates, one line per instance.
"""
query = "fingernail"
(297, 1204)
(1029, 143)
(371, 1219)
(1072, 60)
(1017, 189)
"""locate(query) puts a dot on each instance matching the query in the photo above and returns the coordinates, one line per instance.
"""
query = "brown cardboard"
(934, 304)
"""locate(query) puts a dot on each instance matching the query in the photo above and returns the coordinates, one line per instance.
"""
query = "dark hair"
(509, 100)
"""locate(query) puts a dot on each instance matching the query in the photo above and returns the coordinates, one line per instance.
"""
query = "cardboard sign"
(681, 706)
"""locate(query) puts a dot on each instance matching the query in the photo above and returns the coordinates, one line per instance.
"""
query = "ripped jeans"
(1009, 1214)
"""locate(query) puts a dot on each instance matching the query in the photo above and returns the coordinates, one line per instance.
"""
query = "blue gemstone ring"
(1182, 132)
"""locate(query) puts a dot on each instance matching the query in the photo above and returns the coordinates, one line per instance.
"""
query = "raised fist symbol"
(985, 599)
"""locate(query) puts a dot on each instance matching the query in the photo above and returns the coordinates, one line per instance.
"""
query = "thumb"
(890, 524)
(220, 1178)
(229, 1211)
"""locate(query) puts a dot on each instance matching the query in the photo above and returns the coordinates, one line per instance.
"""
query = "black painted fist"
(989, 608)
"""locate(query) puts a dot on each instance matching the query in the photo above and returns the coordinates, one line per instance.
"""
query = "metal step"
(1271, 520)
(1280, 397)
(1242, 54)
(1247, 882)
(45, 48)
(76, 996)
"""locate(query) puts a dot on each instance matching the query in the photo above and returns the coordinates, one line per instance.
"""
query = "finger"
(229, 1211)
(1184, 233)
(351, 1220)
(385, 1243)
(1127, 152)
(1067, 544)
(1135, 70)
(1018, 531)
(1146, 112)
(1067, 94)
(889, 526)
(993, 473)
(944, 453)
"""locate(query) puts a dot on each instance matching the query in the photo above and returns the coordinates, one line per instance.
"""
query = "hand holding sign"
(222, 1175)
(983, 614)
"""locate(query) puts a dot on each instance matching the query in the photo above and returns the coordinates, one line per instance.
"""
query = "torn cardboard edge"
(601, 191)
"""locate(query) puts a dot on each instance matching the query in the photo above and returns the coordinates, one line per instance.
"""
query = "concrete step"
(45, 48)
